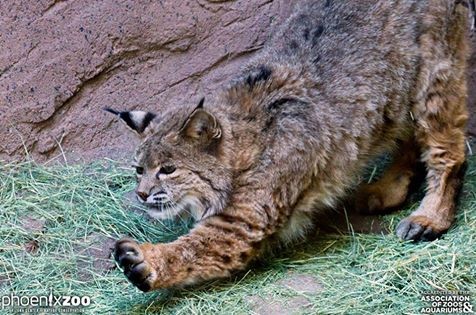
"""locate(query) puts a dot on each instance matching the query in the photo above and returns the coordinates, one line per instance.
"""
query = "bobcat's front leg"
(215, 248)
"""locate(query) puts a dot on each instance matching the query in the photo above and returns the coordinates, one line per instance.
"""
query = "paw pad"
(130, 257)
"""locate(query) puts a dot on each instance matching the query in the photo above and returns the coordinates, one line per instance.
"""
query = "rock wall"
(61, 62)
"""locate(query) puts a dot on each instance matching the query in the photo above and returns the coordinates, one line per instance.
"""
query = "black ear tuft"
(137, 121)
(200, 104)
(110, 110)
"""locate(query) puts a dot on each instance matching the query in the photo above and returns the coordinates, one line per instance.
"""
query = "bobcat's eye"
(139, 170)
(166, 169)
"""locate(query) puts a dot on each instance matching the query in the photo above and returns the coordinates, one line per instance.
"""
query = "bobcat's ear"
(201, 126)
(138, 121)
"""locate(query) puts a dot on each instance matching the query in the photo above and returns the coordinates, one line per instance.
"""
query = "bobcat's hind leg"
(391, 189)
(440, 132)
(440, 127)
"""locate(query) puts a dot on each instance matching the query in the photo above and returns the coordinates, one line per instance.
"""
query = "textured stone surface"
(62, 61)
(94, 256)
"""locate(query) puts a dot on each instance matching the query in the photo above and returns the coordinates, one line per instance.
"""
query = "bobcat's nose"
(142, 195)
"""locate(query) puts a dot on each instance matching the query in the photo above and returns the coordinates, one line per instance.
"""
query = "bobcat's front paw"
(131, 258)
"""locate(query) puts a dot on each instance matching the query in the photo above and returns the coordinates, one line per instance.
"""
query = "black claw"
(144, 286)
(430, 235)
(124, 241)
(128, 259)
(137, 273)
(414, 231)
(402, 229)
(408, 230)
(126, 254)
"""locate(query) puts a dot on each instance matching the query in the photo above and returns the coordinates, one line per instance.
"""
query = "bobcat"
(338, 84)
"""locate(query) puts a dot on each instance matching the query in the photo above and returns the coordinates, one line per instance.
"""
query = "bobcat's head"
(179, 163)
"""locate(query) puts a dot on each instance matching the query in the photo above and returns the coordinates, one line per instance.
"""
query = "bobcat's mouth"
(166, 208)
(161, 206)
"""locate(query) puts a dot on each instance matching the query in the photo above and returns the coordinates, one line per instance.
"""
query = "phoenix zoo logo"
(50, 303)
(447, 302)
